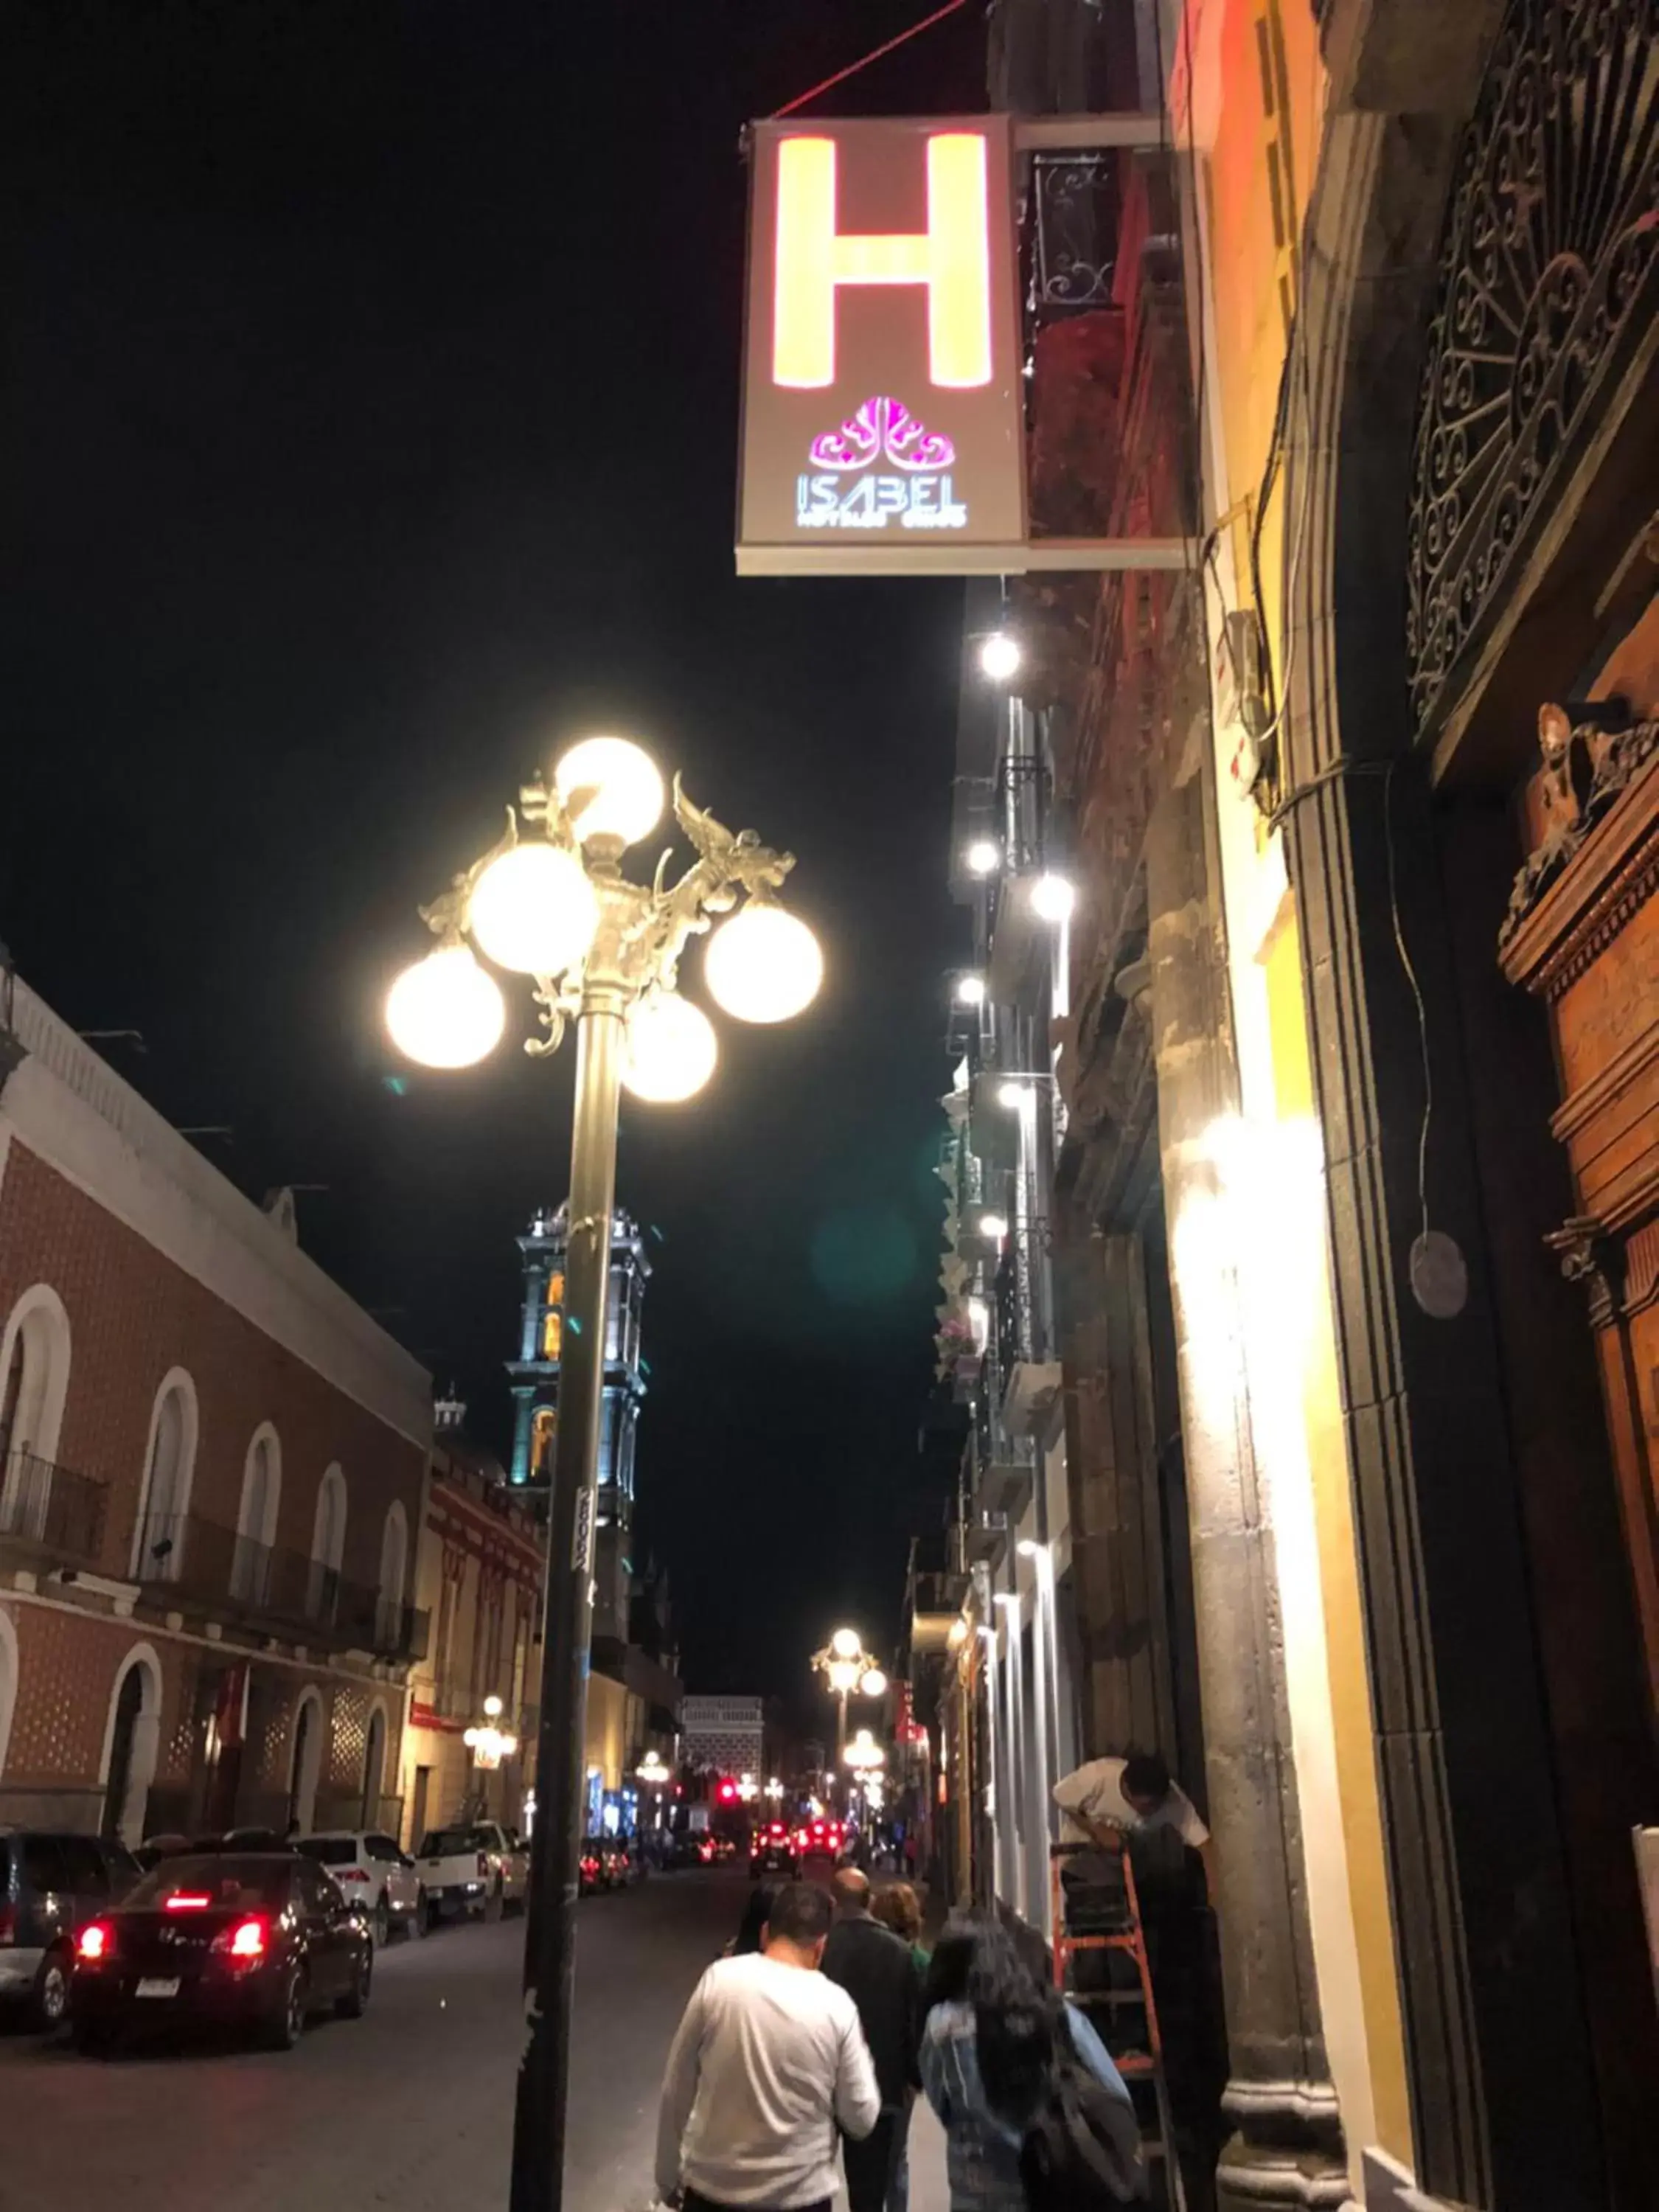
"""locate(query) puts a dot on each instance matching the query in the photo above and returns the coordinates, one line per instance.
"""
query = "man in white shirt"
(768, 2060)
(1107, 1799)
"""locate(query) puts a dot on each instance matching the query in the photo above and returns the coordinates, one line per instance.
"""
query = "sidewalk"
(928, 2188)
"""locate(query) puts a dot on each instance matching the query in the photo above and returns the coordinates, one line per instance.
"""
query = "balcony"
(50, 1514)
(202, 1565)
(1028, 1354)
(1002, 1466)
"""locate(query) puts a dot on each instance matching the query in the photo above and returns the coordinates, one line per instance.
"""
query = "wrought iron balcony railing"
(1024, 1302)
(55, 1512)
(208, 1564)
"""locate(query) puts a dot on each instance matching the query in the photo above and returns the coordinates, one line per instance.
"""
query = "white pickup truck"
(475, 1869)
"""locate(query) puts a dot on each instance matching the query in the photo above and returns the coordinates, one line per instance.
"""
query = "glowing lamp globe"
(624, 784)
(970, 990)
(533, 910)
(843, 1676)
(982, 856)
(1052, 898)
(671, 1048)
(764, 965)
(846, 1643)
(445, 1012)
(873, 1683)
(999, 656)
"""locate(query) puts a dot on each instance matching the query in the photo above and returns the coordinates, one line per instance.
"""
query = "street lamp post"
(847, 1667)
(551, 901)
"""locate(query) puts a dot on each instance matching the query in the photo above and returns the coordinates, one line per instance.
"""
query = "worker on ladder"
(1129, 1809)
(1106, 1798)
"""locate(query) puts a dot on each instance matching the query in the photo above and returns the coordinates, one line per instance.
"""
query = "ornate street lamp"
(550, 901)
(845, 1667)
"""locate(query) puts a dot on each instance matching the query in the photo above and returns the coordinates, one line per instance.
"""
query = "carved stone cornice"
(1598, 861)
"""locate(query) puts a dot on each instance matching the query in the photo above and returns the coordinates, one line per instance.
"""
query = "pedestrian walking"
(876, 1970)
(752, 1929)
(768, 2062)
(898, 1908)
(995, 2042)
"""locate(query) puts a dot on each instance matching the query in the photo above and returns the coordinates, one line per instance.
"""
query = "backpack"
(1082, 2150)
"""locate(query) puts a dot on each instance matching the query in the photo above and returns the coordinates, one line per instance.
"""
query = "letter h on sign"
(951, 257)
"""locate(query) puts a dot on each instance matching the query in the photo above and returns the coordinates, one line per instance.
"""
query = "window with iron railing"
(52, 1509)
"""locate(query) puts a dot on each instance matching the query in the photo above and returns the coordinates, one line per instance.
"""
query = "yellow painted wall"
(616, 1729)
(1345, 1634)
(1254, 111)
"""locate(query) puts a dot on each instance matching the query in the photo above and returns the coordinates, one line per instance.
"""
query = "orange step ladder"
(1130, 1941)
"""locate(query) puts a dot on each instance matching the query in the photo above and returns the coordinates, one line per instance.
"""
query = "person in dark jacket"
(876, 1970)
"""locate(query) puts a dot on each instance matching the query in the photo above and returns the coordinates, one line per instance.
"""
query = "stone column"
(1286, 2148)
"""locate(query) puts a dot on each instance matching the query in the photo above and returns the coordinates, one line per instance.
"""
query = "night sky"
(370, 392)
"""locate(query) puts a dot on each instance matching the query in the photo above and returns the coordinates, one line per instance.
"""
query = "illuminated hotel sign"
(883, 429)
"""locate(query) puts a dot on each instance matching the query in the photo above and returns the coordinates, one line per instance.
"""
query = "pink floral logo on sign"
(881, 428)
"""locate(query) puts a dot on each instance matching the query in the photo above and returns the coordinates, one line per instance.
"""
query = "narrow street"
(411, 2107)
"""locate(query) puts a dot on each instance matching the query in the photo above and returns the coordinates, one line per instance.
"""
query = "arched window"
(305, 1762)
(394, 1552)
(132, 1738)
(327, 1547)
(255, 1520)
(7, 1683)
(34, 1366)
(375, 1769)
(158, 1536)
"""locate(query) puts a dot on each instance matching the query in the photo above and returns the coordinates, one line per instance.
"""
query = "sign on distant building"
(882, 410)
(727, 1734)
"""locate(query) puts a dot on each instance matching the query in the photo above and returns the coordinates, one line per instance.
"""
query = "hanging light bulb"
(624, 785)
(445, 1012)
(764, 965)
(671, 1048)
(533, 910)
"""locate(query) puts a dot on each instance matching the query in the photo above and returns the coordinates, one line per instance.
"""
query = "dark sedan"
(255, 1941)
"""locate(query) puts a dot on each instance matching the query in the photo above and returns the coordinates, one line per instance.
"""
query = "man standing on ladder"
(1107, 1805)
(1107, 1798)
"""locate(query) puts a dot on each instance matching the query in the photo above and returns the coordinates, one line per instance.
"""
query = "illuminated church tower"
(535, 1379)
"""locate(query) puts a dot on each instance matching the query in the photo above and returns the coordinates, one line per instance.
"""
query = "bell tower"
(534, 1376)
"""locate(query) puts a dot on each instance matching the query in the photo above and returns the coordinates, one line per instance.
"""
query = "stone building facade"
(213, 1465)
(1355, 1124)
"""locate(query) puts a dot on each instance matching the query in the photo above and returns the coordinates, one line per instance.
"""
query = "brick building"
(478, 1580)
(213, 1470)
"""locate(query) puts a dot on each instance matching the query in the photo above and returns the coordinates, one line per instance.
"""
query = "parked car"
(51, 1883)
(619, 1862)
(475, 1866)
(371, 1869)
(453, 1868)
(153, 1849)
(591, 1867)
(251, 1940)
(509, 1865)
(772, 1850)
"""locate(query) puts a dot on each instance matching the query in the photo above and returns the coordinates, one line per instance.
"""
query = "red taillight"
(777, 1827)
(183, 1900)
(248, 1939)
(95, 1940)
(351, 1874)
